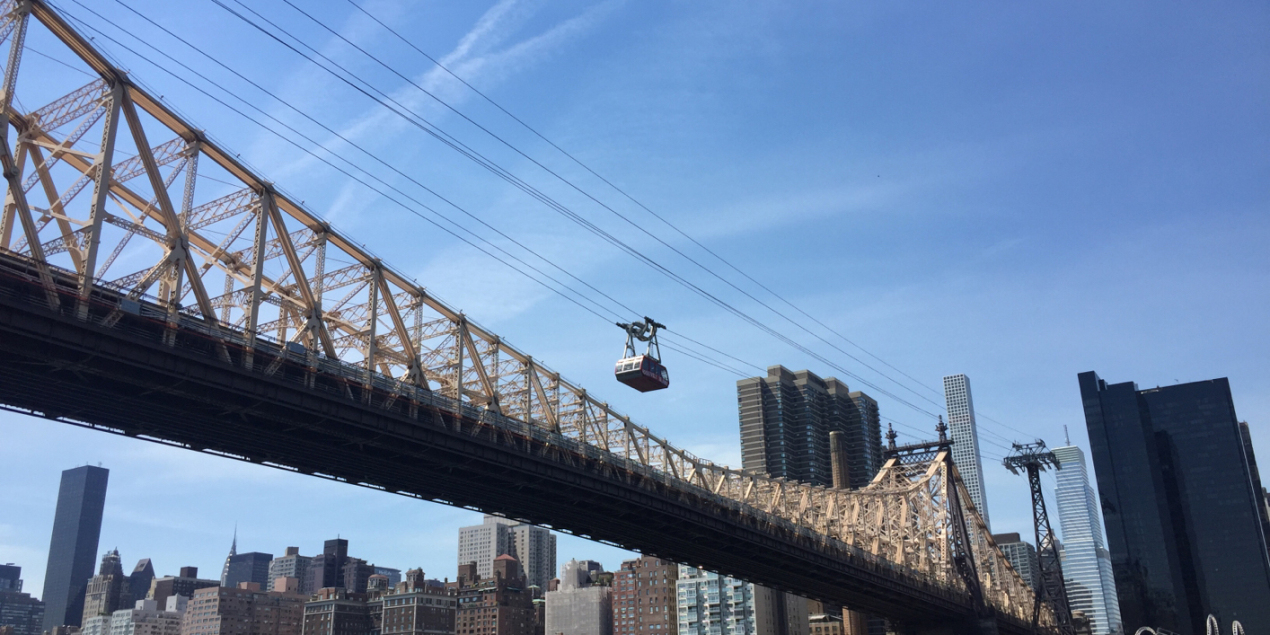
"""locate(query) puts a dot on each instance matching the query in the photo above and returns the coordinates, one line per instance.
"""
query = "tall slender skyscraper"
(1183, 523)
(1091, 587)
(965, 436)
(81, 499)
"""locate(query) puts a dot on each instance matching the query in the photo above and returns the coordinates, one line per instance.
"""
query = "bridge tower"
(960, 542)
(1033, 458)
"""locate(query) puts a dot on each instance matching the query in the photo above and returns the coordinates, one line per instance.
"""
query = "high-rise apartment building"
(534, 547)
(712, 604)
(645, 600)
(581, 605)
(1022, 557)
(109, 590)
(965, 436)
(292, 565)
(21, 612)
(786, 418)
(1180, 507)
(252, 566)
(484, 542)
(81, 499)
(224, 611)
(863, 436)
(501, 604)
(1091, 586)
(184, 585)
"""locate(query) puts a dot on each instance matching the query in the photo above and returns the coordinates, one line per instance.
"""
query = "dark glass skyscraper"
(73, 549)
(1181, 509)
(327, 569)
(248, 567)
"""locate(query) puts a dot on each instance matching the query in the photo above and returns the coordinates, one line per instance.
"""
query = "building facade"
(581, 605)
(140, 580)
(184, 585)
(415, 606)
(825, 624)
(326, 570)
(81, 499)
(1022, 557)
(1180, 507)
(1091, 586)
(357, 574)
(224, 611)
(645, 599)
(292, 565)
(393, 575)
(109, 590)
(10, 577)
(965, 436)
(148, 618)
(1245, 435)
(501, 604)
(252, 566)
(786, 418)
(21, 612)
(334, 611)
(96, 625)
(712, 604)
(534, 547)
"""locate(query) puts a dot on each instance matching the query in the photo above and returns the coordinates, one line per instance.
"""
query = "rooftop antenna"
(1066, 438)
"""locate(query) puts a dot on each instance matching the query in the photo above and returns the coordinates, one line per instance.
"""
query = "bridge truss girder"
(248, 265)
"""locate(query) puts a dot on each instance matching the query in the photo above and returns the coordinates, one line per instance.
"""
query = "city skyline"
(956, 264)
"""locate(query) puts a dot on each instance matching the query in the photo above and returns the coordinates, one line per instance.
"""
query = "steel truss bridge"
(142, 295)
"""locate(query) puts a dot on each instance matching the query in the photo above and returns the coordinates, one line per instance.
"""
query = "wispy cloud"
(477, 58)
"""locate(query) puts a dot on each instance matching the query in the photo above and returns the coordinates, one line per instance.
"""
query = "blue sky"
(1015, 192)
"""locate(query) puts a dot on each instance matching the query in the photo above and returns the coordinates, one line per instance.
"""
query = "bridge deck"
(196, 392)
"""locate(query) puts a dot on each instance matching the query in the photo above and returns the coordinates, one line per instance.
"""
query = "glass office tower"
(1087, 574)
(1181, 510)
(81, 499)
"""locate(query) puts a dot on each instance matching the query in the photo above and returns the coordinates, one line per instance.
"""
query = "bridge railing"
(213, 248)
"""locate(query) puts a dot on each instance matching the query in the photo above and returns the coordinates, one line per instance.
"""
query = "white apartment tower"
(713, 604)
(534, 547)
(1087, 573)
(965, 436)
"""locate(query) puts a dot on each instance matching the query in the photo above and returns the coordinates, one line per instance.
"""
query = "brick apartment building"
(243, 611)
